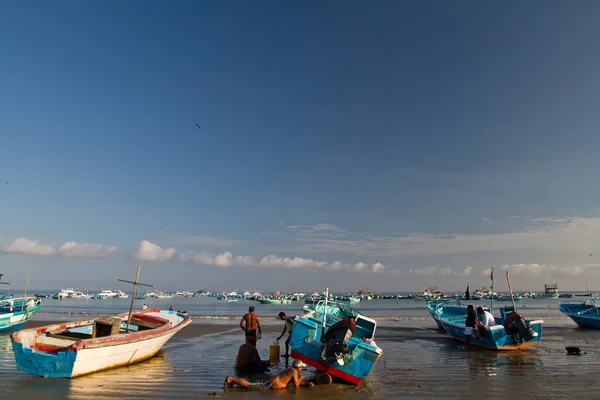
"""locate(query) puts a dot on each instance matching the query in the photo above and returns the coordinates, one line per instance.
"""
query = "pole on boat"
(325, 312)
(512, 297)
(25, 294)
(135, 284)
(591, 297)
(492, 302)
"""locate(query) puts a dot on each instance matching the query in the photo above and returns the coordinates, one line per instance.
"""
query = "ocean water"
(418, 361)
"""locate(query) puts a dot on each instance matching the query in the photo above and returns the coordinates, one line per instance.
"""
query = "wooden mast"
(135, 284)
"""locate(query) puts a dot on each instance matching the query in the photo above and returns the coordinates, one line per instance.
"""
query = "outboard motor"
(514, 324)
(336, 341)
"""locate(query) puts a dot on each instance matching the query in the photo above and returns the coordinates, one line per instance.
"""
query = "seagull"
(198, 125)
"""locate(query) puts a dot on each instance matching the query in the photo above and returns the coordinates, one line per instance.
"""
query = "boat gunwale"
(30, 335)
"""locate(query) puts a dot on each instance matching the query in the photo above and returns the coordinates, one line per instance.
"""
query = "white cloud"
(542, 235)
(227, 259)
(28, 247)
(85, 250)
(434, 271)
(147, 251)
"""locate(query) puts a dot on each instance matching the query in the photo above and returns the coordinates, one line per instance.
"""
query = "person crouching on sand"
(279, 381)
(248, 359)
(469, 324)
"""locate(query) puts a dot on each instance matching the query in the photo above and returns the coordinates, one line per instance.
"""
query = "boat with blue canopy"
(337, 340)
(16, 311)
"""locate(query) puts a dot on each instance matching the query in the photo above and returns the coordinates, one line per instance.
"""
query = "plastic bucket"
(274, 354)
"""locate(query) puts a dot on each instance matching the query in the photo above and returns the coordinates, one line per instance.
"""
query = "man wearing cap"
(248, 359)
(279, 381)
(250, 323)
(287, 326)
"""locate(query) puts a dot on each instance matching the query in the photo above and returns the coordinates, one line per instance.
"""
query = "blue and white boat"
(16, 311)
(584, 313)
(360, 350)
(434, 305)
(511, 332)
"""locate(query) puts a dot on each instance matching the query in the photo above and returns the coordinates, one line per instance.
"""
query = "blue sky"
(392, 145)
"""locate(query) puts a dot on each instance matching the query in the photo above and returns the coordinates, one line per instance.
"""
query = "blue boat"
(434, 307)
(584, 313)
(16, 311)
(349, 358)
(511, 332)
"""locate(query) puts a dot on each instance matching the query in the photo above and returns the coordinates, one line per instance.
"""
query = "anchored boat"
(584, 313)
(79, 348)
(348, 353)
(16, 311)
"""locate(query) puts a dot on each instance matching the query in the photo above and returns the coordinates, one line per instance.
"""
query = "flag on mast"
(492, 274)
(467, 294)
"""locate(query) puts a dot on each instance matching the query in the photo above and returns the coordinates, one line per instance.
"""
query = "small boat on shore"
(79, 348)
(511, 332)
(349, 356)
(16, 311)
(584, 313)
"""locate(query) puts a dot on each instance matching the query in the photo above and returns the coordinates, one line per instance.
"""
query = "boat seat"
(106, 326)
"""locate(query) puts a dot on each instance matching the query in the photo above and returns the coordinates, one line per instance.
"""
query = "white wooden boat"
(78, 348)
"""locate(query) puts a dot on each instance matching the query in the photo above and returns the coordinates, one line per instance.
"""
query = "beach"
(418, 362)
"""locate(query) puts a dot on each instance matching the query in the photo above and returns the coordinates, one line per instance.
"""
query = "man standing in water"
(287, 326)
(469, 324)
(250, 323)
(279, 381)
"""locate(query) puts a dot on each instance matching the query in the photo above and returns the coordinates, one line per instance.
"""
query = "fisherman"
(279, 381)
(250, 322)
(171, 308)
(485, 320)
(287, 326)
(144, 307)
(248, 359)
(469, 324)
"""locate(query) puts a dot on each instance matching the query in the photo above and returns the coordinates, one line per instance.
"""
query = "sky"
(392, 145)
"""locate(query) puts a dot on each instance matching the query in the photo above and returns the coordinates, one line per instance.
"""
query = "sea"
(419, 361)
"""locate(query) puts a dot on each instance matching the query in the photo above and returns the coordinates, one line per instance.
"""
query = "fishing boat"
(584, 313)
(351, 299)
(433, 308)
(353, 357)
(73, 349)
(80, 348)
(16, 311)
(280, 301)
(511, 332)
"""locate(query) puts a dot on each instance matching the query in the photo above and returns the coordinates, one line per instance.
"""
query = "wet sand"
(418, 362)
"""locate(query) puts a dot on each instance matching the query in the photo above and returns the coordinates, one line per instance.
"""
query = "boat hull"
(273, 301)
(306, 345)
(11, 320)
(584, 314)
(72, 361)
(496, 337)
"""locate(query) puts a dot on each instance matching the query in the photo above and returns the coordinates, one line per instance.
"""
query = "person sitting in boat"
(279, 381)
(287, 326)
(144, 307)
(171, 308)
(469, 324)
(248, 359)
(484, 321)
(250, 323)
(337, 334)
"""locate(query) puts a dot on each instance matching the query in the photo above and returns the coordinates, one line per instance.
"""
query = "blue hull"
(306, 344)
(10, 328)
(453, 318)
(584, 314)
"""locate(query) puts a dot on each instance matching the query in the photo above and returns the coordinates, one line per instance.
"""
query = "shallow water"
(418, 362)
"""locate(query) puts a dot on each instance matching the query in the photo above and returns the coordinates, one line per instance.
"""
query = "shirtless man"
(279, 381)
(250, 322)
(248, 359)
